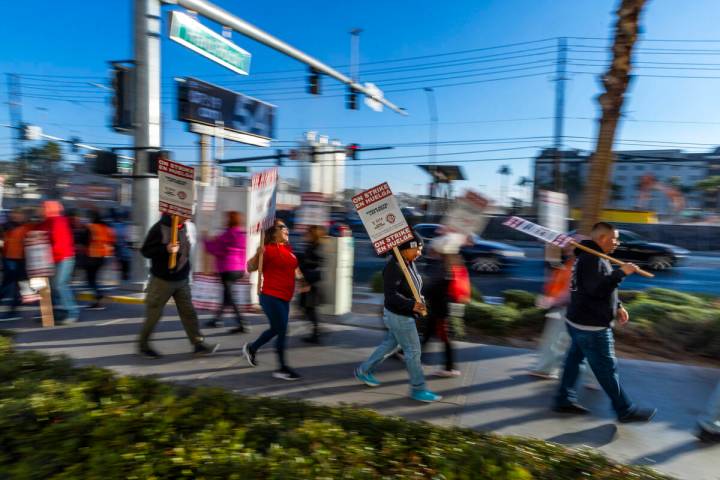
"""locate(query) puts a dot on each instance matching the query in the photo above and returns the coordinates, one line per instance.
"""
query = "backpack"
(459, 290)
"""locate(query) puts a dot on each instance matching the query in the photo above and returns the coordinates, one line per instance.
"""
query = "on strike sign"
(177, 188)
(263, 192)
(382, 218)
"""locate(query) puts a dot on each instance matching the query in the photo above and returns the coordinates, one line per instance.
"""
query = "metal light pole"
(355, 76)
(147, 122)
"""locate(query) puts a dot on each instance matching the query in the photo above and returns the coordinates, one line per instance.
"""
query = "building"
(323, 172)
(659, 180)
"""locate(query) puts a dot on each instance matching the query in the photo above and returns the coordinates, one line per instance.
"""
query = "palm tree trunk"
(616, 81)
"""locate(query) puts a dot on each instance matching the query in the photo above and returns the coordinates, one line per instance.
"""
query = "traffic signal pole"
(146, 124)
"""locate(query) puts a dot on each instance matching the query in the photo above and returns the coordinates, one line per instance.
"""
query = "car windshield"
(626, 236)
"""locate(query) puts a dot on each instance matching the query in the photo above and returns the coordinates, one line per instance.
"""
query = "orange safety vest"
(14, 246)
(102, 241)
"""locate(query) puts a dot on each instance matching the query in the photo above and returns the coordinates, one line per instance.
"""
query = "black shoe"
(640, 415)
(213, 323)
(399, 356)
(249, 356)
(203, 348)
(241, 329)
(149, 353)
(314, 339)
(573, 408)
(286, 374)
(96, 306)
(707, 437)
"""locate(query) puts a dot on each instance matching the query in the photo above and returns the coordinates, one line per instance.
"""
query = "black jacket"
(435, 287)
(593, 289)
(155, 248)
(398, 296)
(310, 262)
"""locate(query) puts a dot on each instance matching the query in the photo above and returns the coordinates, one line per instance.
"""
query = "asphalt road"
(700, 273)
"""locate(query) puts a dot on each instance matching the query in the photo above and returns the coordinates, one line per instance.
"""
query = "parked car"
(654, 255)
(480, 255)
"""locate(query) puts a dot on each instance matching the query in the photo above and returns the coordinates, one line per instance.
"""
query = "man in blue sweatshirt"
(594, 306)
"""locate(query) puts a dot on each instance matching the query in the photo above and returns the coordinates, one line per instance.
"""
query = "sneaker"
(640, 415)
(425, 396)
(203, 348)
(447, 373)
(149, 353)
(250, 357)
(314, 339)
(399, 356)
(706, 436)
(240, 329)
(572, 409)
(286, 374)
(96, 306)
(213, 323)
(543, 375)
(66, 321)
(367, 378)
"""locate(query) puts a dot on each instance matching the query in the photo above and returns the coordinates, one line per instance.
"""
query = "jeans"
(92, 268)
(157, 295)
(63, 298)
(439, 327)
(553, 346)
(228, 280)
(401, 331)
(278, 312)
(13, 272)
(599, 349)
(710, 421)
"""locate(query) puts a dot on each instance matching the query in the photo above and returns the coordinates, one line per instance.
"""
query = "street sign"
(177, 188)
(382, 218)
(465, 215)
(210, 106)
(236, 169)
(263, 191)
(377, 93)
(187, 31)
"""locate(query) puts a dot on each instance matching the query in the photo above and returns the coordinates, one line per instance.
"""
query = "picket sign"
(39, 266)
(560, 239)
(263, 198)
(207, 293)
(386, 226)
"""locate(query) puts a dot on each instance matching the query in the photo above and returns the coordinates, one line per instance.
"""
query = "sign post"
(560, 240)
(386, 225)
(177, 196)
(553, 214)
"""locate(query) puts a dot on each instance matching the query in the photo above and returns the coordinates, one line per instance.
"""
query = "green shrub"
(628, 296)
(519, 298)
(674, 297)
(493, 319)
(376, 283)
(476, 295)
(533, 317)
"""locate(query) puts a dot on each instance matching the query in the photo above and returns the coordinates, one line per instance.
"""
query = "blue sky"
(60, 47)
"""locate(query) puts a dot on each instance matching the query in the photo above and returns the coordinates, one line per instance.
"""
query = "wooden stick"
(406, 272)
(260, 263)
(608, 257)
(46, 307)
(173, 240)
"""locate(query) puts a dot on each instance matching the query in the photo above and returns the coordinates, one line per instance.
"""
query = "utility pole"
(146, 123)
(432, 141)
(205, 167)
(560, 79)
(15, 107)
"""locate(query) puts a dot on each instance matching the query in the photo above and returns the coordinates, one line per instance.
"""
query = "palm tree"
(615, 82)
(711, 185)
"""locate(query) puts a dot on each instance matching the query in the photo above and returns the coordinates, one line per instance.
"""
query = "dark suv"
(482, 255)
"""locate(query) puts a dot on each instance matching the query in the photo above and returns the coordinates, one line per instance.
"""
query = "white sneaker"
(543, 375)
(447, 373)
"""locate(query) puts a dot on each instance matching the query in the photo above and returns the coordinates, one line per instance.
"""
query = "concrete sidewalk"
(494, 392)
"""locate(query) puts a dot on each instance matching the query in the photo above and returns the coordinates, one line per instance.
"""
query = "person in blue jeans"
(594, 305)
(399, 315)
(709, 422)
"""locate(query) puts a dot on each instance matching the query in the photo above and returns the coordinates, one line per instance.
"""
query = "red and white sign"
(382, 218)
(177, 188)
(207, 293)
(534, 230)
(263, 194)
(38, 255)
(314, 210)
(465, 215)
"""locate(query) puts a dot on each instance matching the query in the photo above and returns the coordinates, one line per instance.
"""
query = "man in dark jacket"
(401, 310)
(166, 282)
(594, 305)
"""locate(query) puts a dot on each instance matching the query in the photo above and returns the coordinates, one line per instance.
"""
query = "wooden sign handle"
(260, 263)
(173, 240)
(609, 258)
(408, 278)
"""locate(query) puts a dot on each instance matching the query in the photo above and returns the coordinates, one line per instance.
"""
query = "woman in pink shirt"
(229, 252)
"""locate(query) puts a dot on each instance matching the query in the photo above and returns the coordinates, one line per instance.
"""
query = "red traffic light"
(351, 150)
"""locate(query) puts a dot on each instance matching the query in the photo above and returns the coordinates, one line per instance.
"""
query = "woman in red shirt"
(280, 269)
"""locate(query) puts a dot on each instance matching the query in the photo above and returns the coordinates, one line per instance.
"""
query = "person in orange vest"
(100, 245)
(13, 261)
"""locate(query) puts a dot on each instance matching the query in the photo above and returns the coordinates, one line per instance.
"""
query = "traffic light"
(278, 157)
(153, 157)
(105, 163)
(351, 102)
(351, 151)
(314, 82)
(122, 101)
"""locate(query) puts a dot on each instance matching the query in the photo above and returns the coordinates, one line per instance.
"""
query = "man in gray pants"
(166, 283)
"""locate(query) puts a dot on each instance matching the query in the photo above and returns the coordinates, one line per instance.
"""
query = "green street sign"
(236, 169)
(187, 31)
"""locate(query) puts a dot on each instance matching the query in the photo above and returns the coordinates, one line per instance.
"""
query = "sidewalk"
(494, 393)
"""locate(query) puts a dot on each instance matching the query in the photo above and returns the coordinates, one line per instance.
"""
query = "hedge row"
(59, 422)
